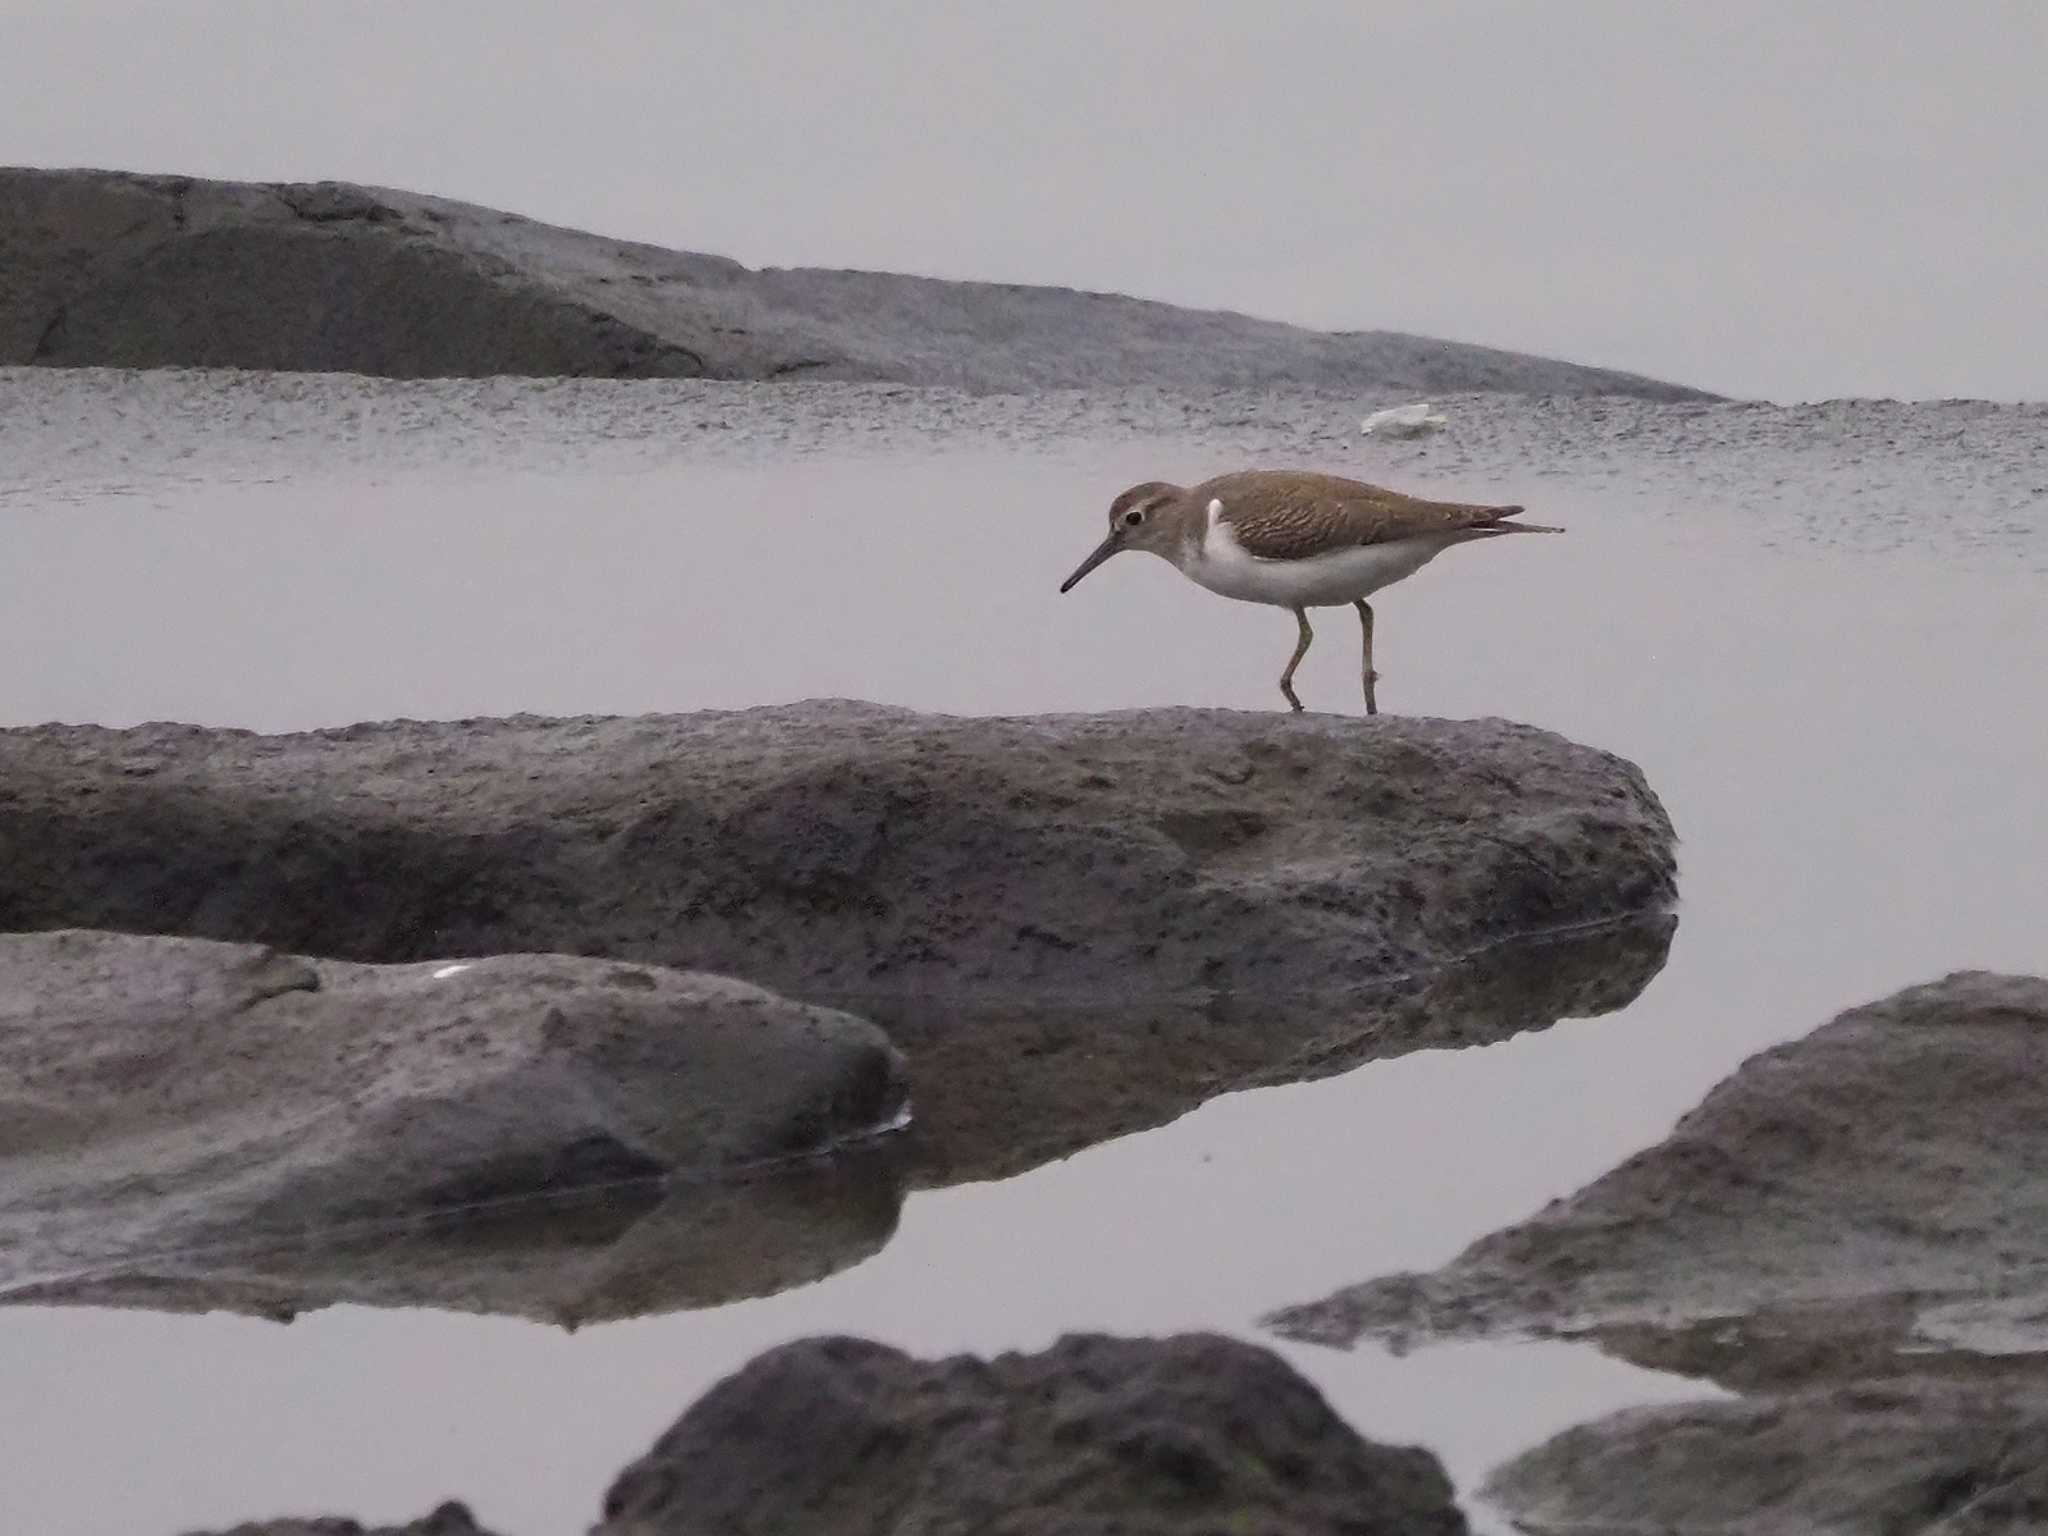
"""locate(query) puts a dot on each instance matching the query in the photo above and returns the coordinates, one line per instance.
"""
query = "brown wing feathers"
(1282, 516)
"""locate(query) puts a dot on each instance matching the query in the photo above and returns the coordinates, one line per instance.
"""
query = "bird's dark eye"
(1133, 518)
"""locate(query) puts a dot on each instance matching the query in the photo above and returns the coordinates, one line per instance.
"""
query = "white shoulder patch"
(1219, 539)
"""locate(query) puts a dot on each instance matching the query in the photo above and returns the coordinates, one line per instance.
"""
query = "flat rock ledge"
(162, 1099)
(831, 849)
(1852, 1231)
(109, 269)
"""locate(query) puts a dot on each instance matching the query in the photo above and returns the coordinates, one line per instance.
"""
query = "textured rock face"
(1853, 1228)
(110, 269)
(838, 848)
(1191, 1433)
(185, 1123)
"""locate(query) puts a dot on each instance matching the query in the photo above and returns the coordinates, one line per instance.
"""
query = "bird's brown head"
(1137, 520)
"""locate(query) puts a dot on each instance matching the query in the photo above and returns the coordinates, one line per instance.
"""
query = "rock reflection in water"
(1000, 1089)
(599, 1254)
(997, 1091)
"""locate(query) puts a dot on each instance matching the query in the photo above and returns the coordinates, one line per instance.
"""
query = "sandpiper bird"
(1295, 539)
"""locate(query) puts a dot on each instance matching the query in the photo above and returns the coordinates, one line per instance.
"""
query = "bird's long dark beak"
(1103, 551)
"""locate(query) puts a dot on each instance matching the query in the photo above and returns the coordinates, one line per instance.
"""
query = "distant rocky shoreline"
(106, 268)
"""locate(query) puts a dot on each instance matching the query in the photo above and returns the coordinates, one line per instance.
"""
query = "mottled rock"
(105, 268)
(836, 848)
(1865, 1200)
(186, 1124)
(1193, 1433)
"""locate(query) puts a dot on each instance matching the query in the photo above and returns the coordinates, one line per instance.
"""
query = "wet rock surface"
(1189, 1433)
(106, 268)
(187, 1124)
(1852, 1230)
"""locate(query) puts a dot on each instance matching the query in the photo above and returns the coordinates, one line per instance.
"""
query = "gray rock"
(1854, 1229)
(191, 1124)
(450, 1519)
(1869, 1199)
(1935, 1458)
(1194, 1433)
(111, 269)
(1201, 899)
(840, 848)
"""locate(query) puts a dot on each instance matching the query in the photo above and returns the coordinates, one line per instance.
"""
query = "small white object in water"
(1403, 421)
(449, 970)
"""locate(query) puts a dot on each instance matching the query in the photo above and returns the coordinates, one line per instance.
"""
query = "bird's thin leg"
(1372, 703)
(1301, 650)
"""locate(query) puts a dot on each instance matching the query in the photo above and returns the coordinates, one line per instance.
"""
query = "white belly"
(1319, 581)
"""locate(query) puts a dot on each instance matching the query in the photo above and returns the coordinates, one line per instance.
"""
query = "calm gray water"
(1820, 630)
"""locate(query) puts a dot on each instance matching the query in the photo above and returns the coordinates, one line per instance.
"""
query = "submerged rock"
(104, 268)
(192, 1124)
(1194, 1433)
